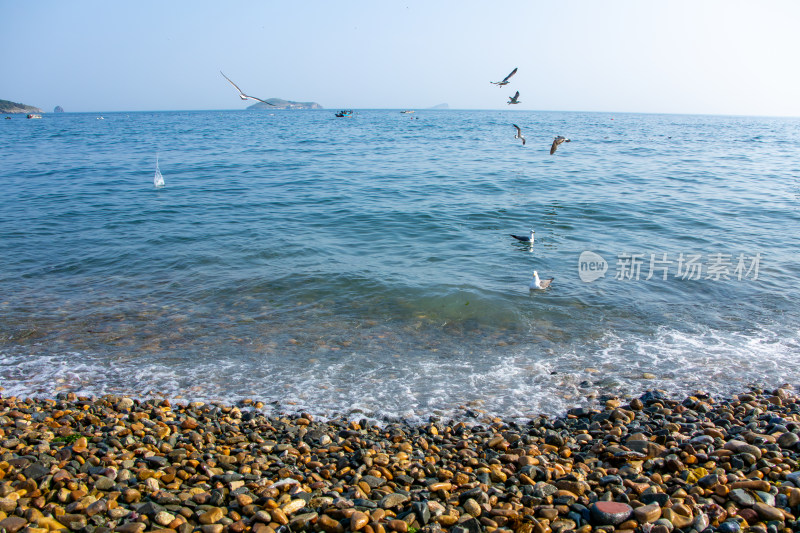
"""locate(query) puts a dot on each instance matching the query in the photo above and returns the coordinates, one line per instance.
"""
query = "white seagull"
(513, 99)
(519, 135)
(556, 141)
(505, 80)
(241, 94)
(540, 284)
(524, 238)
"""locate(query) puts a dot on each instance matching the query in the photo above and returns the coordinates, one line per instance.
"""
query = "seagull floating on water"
(513, 99)
(519, 134)
(523, 238)
(540, 284)
(556, 141)
(241, 94)
(505, 80)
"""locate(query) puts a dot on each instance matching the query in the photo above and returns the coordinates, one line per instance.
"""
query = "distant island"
(440, 106)
(279, 103)
(58, 109)
(13, 107)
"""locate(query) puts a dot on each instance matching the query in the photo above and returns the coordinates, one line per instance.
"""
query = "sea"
(363, 267)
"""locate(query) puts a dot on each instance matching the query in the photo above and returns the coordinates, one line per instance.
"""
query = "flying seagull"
(505, 80)
(540, 284)
(556, 141)
(523, 238)
(519, 135)
(513, 99)
(241, 94)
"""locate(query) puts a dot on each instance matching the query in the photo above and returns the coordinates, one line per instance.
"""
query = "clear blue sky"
(709, 56)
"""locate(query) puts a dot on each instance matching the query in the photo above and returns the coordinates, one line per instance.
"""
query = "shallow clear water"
(364, 265)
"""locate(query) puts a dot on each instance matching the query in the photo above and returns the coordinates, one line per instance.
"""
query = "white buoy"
(158, 179)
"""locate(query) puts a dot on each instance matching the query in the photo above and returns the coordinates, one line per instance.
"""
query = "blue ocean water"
(363, 266)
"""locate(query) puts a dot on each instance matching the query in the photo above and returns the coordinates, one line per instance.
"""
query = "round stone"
(729, 526)
(610, 513)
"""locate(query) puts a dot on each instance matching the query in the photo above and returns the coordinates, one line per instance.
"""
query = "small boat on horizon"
(34, 115)
(407, 111)
(345, 113)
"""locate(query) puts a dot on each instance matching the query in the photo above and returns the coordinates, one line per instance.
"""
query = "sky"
(724, 57)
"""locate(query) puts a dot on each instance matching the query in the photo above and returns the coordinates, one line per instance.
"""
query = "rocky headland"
(7, 106)
(649, 465)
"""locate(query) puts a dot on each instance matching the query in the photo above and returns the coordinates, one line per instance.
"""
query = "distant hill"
(13, 107)
(440, 106)
(279, 103)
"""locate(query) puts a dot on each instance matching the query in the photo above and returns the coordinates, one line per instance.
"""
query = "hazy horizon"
(712, 58)
(357, 109)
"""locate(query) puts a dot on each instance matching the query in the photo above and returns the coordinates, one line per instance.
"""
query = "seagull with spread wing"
(556, 141)
(505, 80)
(241, 94)
(513, 99)
(519, 135)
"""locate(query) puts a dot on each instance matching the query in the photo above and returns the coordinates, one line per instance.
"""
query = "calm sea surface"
(363, 266)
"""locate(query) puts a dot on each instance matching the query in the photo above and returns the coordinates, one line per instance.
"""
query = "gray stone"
(36, 471)
(393, 500)
(156, 460)
(302, 521)
(702, 440)
(708, 481)
(729, 526)
(470, 525)
(788, 440)
(700, 522)
(742, 497)
(739, 446)
(479, 496)
(150, 509)
(543, 490)
(364, 503)
(794, 477)
(663, 522)
(766, 497)
(422, 511)
(373, 481)
(657, 497)
(103, 483)
(229, 477)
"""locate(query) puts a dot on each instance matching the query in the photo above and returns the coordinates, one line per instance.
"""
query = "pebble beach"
(651, 464)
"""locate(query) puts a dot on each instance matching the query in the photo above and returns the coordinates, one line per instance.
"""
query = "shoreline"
(651, 465)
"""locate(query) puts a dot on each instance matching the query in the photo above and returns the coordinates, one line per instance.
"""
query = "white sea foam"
(158, 179)
(519, 382)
